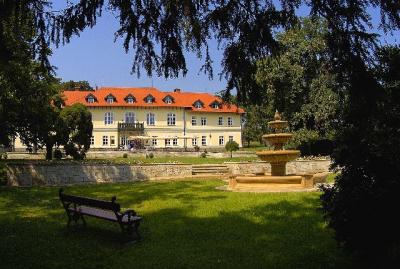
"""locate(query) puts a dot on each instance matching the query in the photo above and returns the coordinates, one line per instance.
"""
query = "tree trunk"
(49, 151)
(231, 154)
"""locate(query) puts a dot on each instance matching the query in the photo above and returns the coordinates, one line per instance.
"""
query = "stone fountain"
(277, 180)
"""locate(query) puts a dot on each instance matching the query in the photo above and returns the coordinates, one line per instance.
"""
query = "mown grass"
(187, 224)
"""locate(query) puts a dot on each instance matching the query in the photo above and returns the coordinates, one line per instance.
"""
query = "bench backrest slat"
(79, 200)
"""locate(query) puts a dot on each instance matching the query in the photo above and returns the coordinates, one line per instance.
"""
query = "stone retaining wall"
(29, 174)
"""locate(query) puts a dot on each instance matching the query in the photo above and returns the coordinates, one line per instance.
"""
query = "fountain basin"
(278, 124)
(278, 156)
(277, 140)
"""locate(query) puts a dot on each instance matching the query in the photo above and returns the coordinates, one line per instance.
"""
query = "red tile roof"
(180, 99)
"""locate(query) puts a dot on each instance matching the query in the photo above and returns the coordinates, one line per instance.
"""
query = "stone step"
(271, 187)
(208, 166)
(268, 179)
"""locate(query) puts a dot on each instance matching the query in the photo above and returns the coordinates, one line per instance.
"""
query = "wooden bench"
(77, 206)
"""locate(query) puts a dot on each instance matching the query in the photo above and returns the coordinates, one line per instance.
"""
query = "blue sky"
(95, 57)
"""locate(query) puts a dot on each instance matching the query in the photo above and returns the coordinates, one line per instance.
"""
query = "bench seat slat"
(103, 214)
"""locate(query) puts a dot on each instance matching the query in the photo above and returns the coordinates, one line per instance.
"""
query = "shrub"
(72, 150)
(151, 155)
(57, 154)
(232, 146)
(196, 148)
(125, 155)
(203, 154)
(3, 174)
(309, 142)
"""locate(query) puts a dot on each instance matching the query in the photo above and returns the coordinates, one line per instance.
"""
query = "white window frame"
(171, 119)
(230, 138)
(204, 140)
(230, 121)
(194, 141)
(110, 100)
(220, 121)
(108, 118)
(149, 100)
(151, 119)
(92, 140)
(112, 140)
(90, 99)
(130, 117)
(175, 142)
(130, 100)
(198, 105)
(203, 121)
(194, 120)
(221, 140)
(168, 100)
(167, 142)
(105, 140)
(154, 142)
(124, 140)
(215, 105)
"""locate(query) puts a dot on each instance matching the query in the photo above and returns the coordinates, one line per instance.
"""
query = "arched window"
(130, 100)
(171, 119)
(108, 118)
(130, 117)
(90, 99)
(198, 104)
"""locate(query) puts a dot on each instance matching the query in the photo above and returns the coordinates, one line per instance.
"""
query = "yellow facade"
(210, 134)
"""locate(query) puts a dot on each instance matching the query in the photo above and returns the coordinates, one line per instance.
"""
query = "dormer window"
(198, 104)
(149, 99)
(110, 99)
(168, 99)
(215, 105)
(90, 98)
(130, 99)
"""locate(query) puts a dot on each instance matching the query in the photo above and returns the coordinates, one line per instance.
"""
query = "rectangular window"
(220, 121)
(124, 140)
(194, 141)
(230, 121)
(194, 121)
(221, 140)
(167, 142)
(175, 141)
(171, 119)
(105, 140)
(108, 118)
(92, 140)
(230, 138)
(154, 142)
(112, 140)
(203, 121)
(150, 119)
(204, 140)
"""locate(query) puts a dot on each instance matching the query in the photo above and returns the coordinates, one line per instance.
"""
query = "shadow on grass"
(200, 229)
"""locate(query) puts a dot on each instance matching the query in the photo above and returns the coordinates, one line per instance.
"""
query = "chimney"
(177, 90)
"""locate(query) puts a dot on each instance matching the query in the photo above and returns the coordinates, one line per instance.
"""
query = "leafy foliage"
(231, 146)
(76, 86)
(78, 122)
(361, 203)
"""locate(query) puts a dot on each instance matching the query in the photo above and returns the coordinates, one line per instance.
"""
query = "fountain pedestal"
(278, 157)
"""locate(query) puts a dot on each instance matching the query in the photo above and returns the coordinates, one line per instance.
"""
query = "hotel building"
(174, 119)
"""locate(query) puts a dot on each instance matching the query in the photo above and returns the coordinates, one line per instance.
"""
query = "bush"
(310, 143)
(72, 150)
(151, 155)
(57, 154)
(3, 174)
(232, 146)
(196, 148)
(203, 154)
(125, 155)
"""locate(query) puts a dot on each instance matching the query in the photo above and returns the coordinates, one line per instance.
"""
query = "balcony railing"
(134, 126)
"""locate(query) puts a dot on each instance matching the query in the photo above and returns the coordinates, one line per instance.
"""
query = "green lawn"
(187, 224)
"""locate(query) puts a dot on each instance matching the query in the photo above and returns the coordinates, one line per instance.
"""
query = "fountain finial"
(277, 115)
